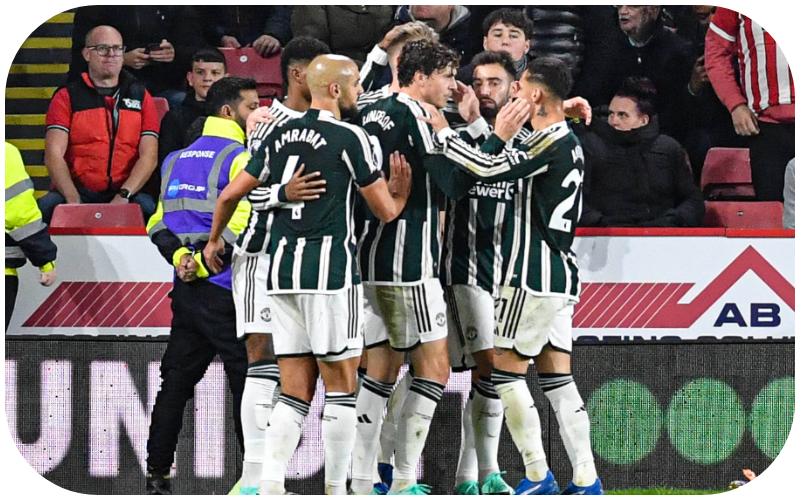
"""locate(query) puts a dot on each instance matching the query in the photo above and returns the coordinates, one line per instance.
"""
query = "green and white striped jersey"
(253, 240)
(549, 164)
(405, 251)
(479, 229)
(313, 244)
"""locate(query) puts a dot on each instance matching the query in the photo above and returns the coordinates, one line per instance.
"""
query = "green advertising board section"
(675, 415)
(683, 415)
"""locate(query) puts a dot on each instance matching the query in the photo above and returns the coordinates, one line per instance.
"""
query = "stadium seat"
(162, 106)
(73, 218)
(265, 102)
(726, 175)
(744, 215)
(247, 63)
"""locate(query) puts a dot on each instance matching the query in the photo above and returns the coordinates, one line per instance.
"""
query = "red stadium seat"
(265, 102)
(744, 215)
(73, 218)
(162, 106)
(726, 175)
(247, 63)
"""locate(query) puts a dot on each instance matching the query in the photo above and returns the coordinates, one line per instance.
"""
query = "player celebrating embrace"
(313, 279)
(542, 285)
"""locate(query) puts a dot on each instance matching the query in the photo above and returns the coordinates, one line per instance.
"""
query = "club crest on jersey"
(266, 315)
(440, 319)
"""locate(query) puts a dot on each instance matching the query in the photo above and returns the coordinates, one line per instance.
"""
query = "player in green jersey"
(478, 235)
(536, 307)
(314, 284)
(250, 260)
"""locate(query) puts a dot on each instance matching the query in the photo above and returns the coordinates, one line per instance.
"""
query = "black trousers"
(770, 151)
(12, 287)
(203, 325)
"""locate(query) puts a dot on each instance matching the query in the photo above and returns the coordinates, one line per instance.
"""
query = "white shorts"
(405, 315)
(470, 324)
(249, 285)
(327, 326)
(526, 323)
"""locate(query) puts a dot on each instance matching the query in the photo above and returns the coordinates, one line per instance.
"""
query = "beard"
(489, 113)
(349, 114)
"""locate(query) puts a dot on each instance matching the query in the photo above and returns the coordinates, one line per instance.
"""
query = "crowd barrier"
(684, 353)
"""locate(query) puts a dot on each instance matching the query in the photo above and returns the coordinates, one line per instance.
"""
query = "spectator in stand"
(208, 66)
(504, 30)
(635, 176)
(101, 140)
(160, 41)
(761, 100)
(26, 235)
(265, 28)
(349, 30)
(707, 120)
(788, 197)
(691, 23)
(450, 22)
(642, 46)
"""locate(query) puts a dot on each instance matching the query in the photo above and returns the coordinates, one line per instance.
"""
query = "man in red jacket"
(101, 143)
(761, 101)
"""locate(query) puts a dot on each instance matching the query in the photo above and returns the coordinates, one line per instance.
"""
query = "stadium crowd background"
(603, 44)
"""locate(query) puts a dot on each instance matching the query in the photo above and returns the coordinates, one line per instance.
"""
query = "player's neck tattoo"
(542, 112)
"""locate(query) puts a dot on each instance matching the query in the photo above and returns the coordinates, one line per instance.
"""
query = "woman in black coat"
(635, 176)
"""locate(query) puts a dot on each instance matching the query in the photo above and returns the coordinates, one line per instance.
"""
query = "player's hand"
(469, 107)
(744, 120)
(136, 58)
(267, 45)
(48, 278)
(230, 42)
(260, 115)
(437, 119)
(211, 253)
(578, 107)
(399, 176)
(166, 54)
(119, 200)
(390, 36)
(304, 187)
(511, 118)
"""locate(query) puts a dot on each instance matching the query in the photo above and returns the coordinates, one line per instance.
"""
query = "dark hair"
(426, 56)
(228, 91)
(640, 90)
(302, 49)
(511, 17)
(552, 73)
(209, 55)
(501, 58)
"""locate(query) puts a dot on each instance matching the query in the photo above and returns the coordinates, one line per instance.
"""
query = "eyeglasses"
(105, 50)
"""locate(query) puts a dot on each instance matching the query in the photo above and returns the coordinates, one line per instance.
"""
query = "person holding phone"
(160, 41)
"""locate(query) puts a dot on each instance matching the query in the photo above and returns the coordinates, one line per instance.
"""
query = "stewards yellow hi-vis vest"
(191, 181)
(27, 237)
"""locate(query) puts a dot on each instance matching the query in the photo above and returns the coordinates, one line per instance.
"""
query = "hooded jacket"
(638, 178)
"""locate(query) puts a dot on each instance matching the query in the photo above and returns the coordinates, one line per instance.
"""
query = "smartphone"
(152, 47)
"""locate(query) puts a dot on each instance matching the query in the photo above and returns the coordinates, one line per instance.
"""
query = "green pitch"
(662, 491)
